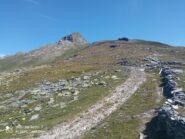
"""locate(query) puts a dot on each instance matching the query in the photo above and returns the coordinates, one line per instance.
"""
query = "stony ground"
(37, 109)
(77, 86)
(96, 113)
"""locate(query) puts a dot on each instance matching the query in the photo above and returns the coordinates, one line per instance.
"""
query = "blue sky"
(29, 24)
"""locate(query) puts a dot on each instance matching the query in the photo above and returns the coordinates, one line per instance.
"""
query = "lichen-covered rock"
(34, 117)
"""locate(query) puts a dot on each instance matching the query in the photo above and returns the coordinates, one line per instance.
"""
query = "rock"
(86, 77)
(34, 117)
(43, 93)
(19, 126)
(142, 136)
(117, 70)
(173, 63)
(36, 97)
(178, 71)
(107, 77)
(114, 77)
(7, 128)
(55, 105)
(74, 98)
(60, 94)
(92, 83)
(4, 124)
(67, 93)
(77, 79)
(103, 83)
(45, 82)
(124, 62)
(62, 105)
(85, 85)
(15, 123)
(27, 111)
(35, 91)
(38, 108)
(169, 100)
(63, 82)
(179, 97)
(51, 101)
(95, 80)
(76, 92)
(176, 107)
(2, 107)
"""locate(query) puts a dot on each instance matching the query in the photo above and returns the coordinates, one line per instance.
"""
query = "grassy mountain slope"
(100, 61)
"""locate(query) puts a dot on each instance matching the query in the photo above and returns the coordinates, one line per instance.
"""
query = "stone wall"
(169, 120)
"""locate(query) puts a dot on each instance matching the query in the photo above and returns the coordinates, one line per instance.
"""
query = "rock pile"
(31, 103)
(173, 63)
(127, 62)
(153, 62)
(47, 89)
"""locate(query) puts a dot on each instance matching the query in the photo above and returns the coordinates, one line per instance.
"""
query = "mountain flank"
(111, 89)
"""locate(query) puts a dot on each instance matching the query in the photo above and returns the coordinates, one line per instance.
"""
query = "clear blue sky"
(29, 24)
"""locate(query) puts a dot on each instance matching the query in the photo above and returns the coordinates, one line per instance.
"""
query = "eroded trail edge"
(88, 119)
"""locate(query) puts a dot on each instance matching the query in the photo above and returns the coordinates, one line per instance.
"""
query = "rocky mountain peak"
(74, 38)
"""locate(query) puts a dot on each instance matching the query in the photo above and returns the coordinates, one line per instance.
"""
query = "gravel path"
(99, 111)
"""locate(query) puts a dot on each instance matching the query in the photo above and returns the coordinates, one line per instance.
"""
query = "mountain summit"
(75, 38)
(67, 45)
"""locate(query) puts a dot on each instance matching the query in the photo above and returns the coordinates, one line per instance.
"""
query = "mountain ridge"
(74, 44)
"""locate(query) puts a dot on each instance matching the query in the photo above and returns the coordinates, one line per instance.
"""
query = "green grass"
(124, 123)
(52, 73)
(70, 53)
(181, 82)
(50, 117)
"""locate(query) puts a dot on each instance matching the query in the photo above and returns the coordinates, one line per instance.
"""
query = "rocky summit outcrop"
(73, 39)
(47, 53)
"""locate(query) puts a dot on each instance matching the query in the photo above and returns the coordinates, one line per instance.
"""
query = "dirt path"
(99, 111)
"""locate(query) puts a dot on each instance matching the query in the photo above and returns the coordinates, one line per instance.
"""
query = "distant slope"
(111, 52)
(44, 54)
(99, 53)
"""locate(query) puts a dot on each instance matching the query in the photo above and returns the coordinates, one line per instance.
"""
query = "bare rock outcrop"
(73, 39)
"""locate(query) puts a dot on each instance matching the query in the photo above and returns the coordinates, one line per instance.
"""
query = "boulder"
(124, 62)
(27, 111)
(86, 77)
(62, 105)
(103, 83)
(85, 85)
(114, 77)
(37, 108)
(51, 101)
(34, 117)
